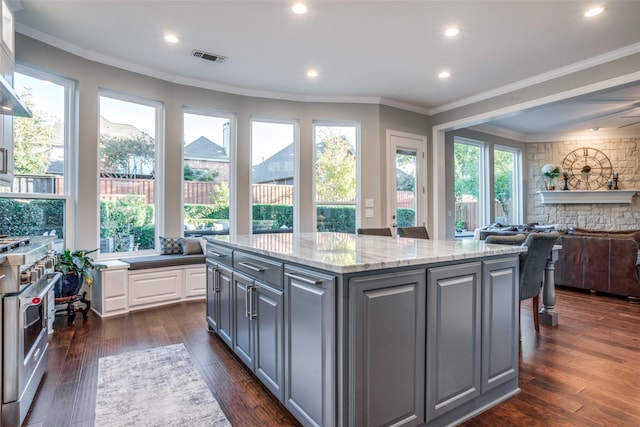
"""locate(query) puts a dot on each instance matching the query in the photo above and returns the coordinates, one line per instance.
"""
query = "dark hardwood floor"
(583, 372)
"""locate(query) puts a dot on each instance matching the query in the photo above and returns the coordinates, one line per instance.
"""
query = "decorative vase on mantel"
(549, 185)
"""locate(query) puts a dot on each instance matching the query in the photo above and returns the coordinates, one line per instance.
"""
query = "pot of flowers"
(76, 268)
(550, 173)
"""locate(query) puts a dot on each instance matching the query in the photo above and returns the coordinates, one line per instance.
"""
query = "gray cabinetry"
(310, 383)
(387, 335)
(220, 292)
(499, 322)
(454, 331)
(258, 309)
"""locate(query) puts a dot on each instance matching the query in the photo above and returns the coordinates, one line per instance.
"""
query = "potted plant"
(550, 172)
(76, 267)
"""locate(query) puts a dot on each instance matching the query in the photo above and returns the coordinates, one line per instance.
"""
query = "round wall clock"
(587, 168)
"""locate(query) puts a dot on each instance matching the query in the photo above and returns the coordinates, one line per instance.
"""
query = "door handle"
(246, 301)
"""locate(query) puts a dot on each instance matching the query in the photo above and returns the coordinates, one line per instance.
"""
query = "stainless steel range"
(27, 283)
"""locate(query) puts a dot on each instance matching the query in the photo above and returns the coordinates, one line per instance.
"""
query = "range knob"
(34, 275)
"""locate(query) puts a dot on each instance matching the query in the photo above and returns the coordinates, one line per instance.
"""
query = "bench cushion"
(157, 261)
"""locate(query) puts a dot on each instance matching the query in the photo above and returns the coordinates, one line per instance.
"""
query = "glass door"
(405, 196)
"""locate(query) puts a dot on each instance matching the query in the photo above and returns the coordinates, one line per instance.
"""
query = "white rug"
(155, 387)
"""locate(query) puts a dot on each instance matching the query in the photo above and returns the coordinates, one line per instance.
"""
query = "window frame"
(336, 123)
(516, 197)
(232, 117)
(70, 87)
(296, 165)
(158, 196)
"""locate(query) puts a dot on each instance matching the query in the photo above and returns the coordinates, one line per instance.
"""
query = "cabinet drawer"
(258, 267)
(219, 254)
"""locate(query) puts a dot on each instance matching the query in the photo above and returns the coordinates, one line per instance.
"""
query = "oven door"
(26, 340)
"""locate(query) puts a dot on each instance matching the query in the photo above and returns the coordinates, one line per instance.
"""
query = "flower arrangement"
(550, 173)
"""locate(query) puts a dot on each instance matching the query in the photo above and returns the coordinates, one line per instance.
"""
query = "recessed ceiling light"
(594, 11)
(595, 129)
(444, 74)
(312, 73)
(299, 8)
(171, 38)
(452, 31)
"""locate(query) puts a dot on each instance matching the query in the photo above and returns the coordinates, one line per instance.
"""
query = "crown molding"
(236, 90)
(498, 131)
(603, 134)
(541, 78)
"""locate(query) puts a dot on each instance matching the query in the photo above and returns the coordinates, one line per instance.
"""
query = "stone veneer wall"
(625, 159)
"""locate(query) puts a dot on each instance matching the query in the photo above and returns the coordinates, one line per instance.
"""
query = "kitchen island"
(350, 330)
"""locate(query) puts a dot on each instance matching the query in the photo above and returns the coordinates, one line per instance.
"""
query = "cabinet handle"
(216, 254)
(246, 301)
(250, 266)
(304, 279)
(5, 161)
(252, 315)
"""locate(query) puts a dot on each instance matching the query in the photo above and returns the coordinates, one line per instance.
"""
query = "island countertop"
(348, 253)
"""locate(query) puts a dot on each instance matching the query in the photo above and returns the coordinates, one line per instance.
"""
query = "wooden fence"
(196, 192)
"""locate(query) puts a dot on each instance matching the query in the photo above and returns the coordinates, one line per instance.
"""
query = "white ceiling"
(364, 51)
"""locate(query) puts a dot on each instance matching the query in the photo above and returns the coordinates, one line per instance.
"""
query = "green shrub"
(280, 215)
(19, 217)
(340, 219)
(406, 217)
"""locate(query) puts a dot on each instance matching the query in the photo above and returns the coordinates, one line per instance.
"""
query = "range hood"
(10, 103)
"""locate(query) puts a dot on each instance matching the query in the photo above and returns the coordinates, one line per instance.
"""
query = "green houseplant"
(76, 267)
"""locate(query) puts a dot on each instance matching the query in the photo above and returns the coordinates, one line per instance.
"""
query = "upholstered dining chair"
(375, 231)
(419, 232)
(532, 264)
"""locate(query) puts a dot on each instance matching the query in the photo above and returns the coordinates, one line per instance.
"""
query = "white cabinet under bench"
(122, 286)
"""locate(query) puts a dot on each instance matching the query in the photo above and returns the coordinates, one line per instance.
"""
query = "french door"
(405, 184)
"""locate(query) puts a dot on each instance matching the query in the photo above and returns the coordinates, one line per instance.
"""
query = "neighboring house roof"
(56, 167)
(275, 168)
(119, 129)
(205, 149)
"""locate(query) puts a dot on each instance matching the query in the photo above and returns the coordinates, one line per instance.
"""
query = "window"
(505, 170)
(130, 144)
(474, 206)
(207, 144)
(273, 175)
(39, 200)
(336, 189)
(469, 170)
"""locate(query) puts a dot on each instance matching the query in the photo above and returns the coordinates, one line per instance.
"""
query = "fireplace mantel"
(586, 196)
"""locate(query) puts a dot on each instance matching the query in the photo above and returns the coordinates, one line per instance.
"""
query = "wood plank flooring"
(583, 372)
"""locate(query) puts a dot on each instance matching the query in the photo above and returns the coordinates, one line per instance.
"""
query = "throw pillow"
(191, 246)
(170, 245)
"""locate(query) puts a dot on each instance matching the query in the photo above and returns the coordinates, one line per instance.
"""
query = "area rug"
(153, 388)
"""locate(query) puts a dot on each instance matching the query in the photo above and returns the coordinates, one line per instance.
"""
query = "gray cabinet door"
(454, 336)
(499, 322)
(225, 304)
(268, 323)
(387, 342)
(310, 353)
(212, 298)
(242, 326)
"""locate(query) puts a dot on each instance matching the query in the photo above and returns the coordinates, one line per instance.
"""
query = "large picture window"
(336, 148)
(39, 200)
(273, 167)
(206, 170)
(129, 174)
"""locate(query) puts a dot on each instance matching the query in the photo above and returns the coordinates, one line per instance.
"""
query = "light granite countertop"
(348, 253)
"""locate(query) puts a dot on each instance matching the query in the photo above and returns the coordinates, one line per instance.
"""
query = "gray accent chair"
(376, 231)
(419, 232)
(532, 264)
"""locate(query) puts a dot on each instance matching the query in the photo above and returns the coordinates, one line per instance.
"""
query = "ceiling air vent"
(208, 56)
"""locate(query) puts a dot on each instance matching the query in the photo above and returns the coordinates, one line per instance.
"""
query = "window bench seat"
(136, 283)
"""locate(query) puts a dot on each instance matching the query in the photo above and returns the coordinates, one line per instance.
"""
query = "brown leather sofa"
(598, 260)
